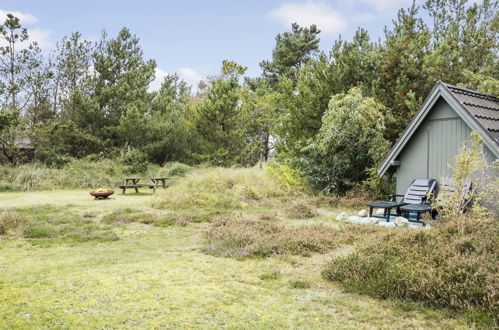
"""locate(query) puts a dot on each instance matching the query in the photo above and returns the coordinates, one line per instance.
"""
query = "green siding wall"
(432, 147)
(413, 160)
(445, 137)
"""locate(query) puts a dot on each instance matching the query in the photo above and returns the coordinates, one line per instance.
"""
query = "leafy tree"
(257, 114)
(349, 142)
(39, 85)
(292, 50)
(300, 108)
(173, 92)
(302, 104)
(481, 82)
(16, 64)
(56, 141)
(11, 130)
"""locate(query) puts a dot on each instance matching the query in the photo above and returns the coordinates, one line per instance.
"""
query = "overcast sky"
(192, 37)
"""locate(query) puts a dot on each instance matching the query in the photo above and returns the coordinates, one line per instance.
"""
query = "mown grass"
(157, 278)
(42, 223)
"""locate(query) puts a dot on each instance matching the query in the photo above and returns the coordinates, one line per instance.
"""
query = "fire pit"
(102, 193)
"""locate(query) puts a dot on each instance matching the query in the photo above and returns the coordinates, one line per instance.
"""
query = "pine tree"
(218, 117)
(292, 50)
(122, 76)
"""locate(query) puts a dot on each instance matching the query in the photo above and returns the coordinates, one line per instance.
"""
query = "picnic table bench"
(133, 182)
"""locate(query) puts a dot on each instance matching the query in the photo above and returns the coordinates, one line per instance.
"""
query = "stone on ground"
(401, 221)
(380, 211)
(362, 213)
(341, 216)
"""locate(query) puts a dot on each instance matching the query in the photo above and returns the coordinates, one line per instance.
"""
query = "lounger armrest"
(393, 198)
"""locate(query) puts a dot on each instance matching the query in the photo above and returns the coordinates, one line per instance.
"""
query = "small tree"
(349, 142)
(470, 165)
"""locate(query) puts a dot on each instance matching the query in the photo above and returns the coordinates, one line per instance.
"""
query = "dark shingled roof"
(480, 112)
(483, 107)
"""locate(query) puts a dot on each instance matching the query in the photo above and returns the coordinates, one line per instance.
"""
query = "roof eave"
(413, 125)
(440, 89)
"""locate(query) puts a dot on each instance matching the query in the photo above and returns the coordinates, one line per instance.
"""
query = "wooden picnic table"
(133, 182)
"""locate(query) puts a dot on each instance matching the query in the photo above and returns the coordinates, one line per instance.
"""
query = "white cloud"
(329, 20)
(363, 17)
(388, 5)
(25, 18)
(158, 80)
(190, 76)
(41, 36)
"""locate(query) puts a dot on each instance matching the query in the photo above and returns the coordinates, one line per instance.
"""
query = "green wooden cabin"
(432, 139)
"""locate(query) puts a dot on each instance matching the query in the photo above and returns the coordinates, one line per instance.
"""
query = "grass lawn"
(159, 277)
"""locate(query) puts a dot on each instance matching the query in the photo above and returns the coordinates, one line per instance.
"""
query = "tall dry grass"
(220, 189)
(78, 173)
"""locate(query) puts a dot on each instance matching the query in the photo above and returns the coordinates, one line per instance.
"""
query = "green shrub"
(240, 238)
(125, 216)
(454, 265)
(349, 142)
(271, 275)
(299, 210)
(300, 284)
(287, 176)
(133, 160)
(378, 187)
(175, 169)
(38, 231)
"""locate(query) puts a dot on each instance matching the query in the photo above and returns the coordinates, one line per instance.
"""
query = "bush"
(175, 169)
(133, 160)
(300, 284)
(240, 238)
(287, 176)
(299, 210)
(448, 266)
(378, 187)
(125, 216)
(349, 142)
